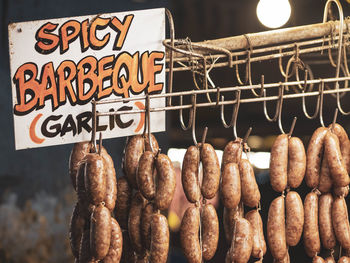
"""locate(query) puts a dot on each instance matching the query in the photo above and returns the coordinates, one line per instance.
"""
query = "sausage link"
(279, 163)
(276, 231)
(128, 254)
(76, 229)
(189, 177)
(259, 244)
(166, 182)
(313, 157)
(134, 222)
(335, 161)
(111, 180)
(345, 152)
(317, 259)
(341, 191)
(160, 239)
(189, 235)
(146, 219)
(154, 142)
(211, 171)
(232, 153)
(338, 130)
(344, 259)
(123, 202)
(95, 178)
(100, 232)
(230, 216)
(132, 153)
(144, 178)
(85, 255)
(210, 231)
(329, 260)
(285, 259)
(326, 181)
(115, 250)
(325, 221)
(80, 185)
(242, 243)
(231, 186)
(250, 190)
(294, 218)
(77, 154)
(296, 162)
(341, 222)
(312, 243)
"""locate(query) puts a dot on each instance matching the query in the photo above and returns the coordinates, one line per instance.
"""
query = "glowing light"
(273, 13)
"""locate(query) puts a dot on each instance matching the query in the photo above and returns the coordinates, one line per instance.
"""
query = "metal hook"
(283, 73)
(171, 55)
(277, 107)
(100, 144)
(280, 105)
(317, 110)
(194, 110)
(148, 114)
(234, 112)
(190, 119)
(321, 89)
(249, 74)
(94, 119)
(240, 82)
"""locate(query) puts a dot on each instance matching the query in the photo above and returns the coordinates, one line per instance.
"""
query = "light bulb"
(273, 13)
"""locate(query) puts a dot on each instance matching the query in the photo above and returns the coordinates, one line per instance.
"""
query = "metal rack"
(201, 57)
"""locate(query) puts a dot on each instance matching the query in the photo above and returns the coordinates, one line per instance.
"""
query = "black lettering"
(83, 121)
(69, 125)
(118, 120)
(53, 129)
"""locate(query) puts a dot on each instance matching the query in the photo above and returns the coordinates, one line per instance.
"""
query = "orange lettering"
(153, 70)
(65, 82)
(122, 28)
(89, 77)
(48, 79)
(84, 39)
(123, 61)
(97, 24)
(69, 32)
(104, 73)
(46, 42)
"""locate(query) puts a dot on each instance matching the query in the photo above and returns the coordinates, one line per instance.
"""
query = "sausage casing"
(242, 243)
(259, 244)
(344, 259)
(341, 190)
(146, 220)
(230, 186)
(160, 239)
(296, 162)
(230, 216)
(166, 182)
(317, 259)
(134, 222)
(189, 235)
(76, 229)
(154, 142)
(144, 178)
(85, 255)
(276, 231)
(210, 231)
(329, 260)
(100, 232)
(123, 202)
(250, 190)
(211, 171)
(286, 259)
(115, 250)
(313, 157)
(312, 243)
(232, 152)
(341, 222)
(189, 176)
(325, 221)
(279, 163)
(294, 218)
(326, 182)
(132, 153)
(111, 180)
(95, 178)
(335, 161)
(78, 153)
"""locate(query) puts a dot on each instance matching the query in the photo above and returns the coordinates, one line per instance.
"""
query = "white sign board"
(59, 66)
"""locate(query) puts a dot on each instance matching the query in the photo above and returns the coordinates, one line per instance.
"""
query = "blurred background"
(36, 197)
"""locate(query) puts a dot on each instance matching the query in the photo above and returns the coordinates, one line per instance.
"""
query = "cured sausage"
(159, 239)
(146, 219)
(276, 231)
(279, 163)
(317, 259)
(78, 153)
(313, 157)
(312, 243)
(100, 232)
(230, 216)
(230, 186)
(144, 178)
(134, 222)
(286, 259)
(326, 181)
(154, 142)
(329, 260)
(76, 229)
(335, 161)
(259, 244)
(115, 250)
(325, 221)
(166, 182)
(211, 171)
(296, 162)
(210, 231)
(95, 178)
(111, 180)
(189, 235)
(294, 218)
(132, 153)
(189, 177)
(232, 152)
(250, 190)
(344, 259)
(341, 222)
(123, 202)
(85, 255)
(341, 191)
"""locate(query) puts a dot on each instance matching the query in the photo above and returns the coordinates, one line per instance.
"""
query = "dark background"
(36, 198)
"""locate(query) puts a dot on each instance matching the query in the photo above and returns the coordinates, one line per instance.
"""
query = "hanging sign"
(59, 66)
